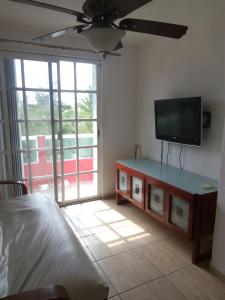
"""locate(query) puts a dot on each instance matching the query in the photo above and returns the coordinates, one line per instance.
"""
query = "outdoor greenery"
(38, 108)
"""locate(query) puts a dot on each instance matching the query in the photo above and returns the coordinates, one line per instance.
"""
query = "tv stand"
(183, 201)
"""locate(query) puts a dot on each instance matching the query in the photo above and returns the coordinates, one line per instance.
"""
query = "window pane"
(86, 106)
(59, 189)
(36, 74)
(33, 157)
(70, 154)
(56, 106)
(86, 77)
(44, 186)
(69, 140)
(54, 76)
(70, 186)
(88, 185)
(87, 159)
(87, 133)
(32, 142)
(68, 105)
(20, 106)
(69, 128)
(70, 162)
(38, 106)
(17, 65)
(40, 130)
(67, 75)
(40, 165)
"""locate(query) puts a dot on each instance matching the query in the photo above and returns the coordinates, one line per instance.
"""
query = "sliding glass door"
(54, 127)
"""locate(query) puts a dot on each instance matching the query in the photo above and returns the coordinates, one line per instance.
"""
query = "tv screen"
(179, 120)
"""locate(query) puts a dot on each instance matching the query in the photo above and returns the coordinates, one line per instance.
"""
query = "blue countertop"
(184, 180)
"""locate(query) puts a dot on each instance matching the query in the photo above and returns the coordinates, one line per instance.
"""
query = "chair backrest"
(14, 188)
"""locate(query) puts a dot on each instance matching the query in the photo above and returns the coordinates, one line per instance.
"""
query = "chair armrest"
(52, 292)
(23, 186)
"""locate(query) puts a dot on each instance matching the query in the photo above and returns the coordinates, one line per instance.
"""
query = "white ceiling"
(40, 21)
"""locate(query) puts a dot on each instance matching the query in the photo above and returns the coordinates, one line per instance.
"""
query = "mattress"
(38, 248)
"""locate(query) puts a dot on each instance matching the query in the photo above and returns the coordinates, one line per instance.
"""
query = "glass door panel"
(123, 181)
(36, 74)
(44, 185)
(137, 189)
(86, 75)
(70, 187)
(87, 133)
(88, 159)
(57, 126)
(156, 200)
(87, 105)
(88, 185)
(179, 214)
(68, 105)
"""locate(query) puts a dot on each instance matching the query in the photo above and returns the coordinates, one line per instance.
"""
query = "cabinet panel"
(179, 213)
(156, 200)
(137, 189)
(123, 181)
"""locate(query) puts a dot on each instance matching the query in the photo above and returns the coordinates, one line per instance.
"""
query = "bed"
(38, 248)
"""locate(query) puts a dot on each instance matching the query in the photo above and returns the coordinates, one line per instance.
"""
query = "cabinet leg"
(118, 199)
(195, 251)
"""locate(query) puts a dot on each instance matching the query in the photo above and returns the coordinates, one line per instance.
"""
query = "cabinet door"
(179, 213)
(137, 189)
(155, 205)
(123, 181)
(156, 201)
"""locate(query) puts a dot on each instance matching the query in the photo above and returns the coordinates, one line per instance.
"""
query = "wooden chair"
(24, 190)
(52, 292)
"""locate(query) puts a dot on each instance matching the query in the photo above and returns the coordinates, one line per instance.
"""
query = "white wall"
(118, 112)
(191, 66)
(218, 257)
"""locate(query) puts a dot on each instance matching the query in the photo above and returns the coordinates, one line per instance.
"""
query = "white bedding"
(38, 248)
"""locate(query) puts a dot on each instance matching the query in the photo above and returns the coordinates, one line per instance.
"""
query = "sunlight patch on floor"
(108, 225)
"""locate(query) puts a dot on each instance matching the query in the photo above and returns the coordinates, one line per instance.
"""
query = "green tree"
(85, 111)
(38, 108)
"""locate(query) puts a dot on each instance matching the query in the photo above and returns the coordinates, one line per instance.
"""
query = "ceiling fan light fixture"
(103, 39)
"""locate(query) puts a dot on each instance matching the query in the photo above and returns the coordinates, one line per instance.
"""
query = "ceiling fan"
(98, 23)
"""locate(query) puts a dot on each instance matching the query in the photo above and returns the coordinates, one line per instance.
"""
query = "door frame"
(56, 59)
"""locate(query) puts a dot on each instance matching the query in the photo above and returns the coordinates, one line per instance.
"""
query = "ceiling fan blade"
(116, 8)
(125, 7)
(58, 33)
(152, 27)
(118, 46)
(52, 7)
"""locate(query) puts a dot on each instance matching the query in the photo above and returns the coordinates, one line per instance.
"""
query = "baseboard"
(108, 196)
(216, 272)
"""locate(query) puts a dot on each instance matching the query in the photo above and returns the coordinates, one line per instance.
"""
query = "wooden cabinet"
(175, 198)
(131, 186)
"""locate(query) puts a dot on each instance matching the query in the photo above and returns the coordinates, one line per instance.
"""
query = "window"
(32, 145)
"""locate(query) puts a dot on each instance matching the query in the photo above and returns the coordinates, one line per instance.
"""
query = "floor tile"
(74, 210)
(88, 224)
(105, 244)
(167, 255)
(128, 270)
(121, 236)
(115, 298)
(197, 283)
(156, 290)
(88, 252)
(112, 291)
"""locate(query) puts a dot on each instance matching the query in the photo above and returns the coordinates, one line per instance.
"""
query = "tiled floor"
(139, 258)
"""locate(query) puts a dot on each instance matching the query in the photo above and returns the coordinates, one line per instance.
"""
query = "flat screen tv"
(179, 120)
